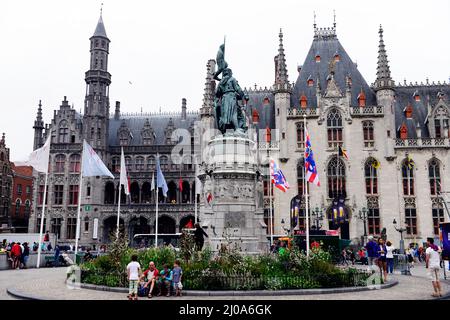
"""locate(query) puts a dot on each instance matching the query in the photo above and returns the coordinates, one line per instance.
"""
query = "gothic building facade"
(382, 126)
(6, 182)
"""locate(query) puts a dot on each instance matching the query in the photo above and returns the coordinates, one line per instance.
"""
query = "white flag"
(38, 159)
(123, 174)
(153, 182)
(198, 183)
(92, 164)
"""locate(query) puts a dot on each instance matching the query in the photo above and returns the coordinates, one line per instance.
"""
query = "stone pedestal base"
(231, 208)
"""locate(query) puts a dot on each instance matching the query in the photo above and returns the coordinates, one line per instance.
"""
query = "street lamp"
(362, 214)
(405, 269)
(317, 216)
(287, 230)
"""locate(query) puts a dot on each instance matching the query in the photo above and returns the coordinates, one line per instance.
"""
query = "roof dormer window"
(337, 57)
(266, 100)
(361, 99)
(403, 132)
(255, 116)
(408, 111)
(317, 58)
(310, 81)
(303, 101)
(416, 96)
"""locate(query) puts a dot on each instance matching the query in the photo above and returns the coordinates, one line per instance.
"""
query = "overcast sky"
(162, 47)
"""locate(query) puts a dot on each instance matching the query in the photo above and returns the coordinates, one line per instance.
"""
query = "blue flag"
(160, 180)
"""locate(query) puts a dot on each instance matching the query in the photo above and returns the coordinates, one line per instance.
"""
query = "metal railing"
(243, 281)
(371, 111)
(422, 142)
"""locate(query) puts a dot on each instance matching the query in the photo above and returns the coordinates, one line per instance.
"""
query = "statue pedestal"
(231, 206)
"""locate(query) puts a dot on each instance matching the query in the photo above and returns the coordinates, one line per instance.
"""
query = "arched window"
(27, 208)
(434, 176)
(115, 164)
(408, 178)
(86, 224)
(368, 135)
(75, 163)
(18, 203)
(63, 133)
(172, 193)
(336, 178)
(438, 216)
(129, 164)
(139, 164)
(300, 135)
(334, 128)
(301, 177)
(134, 192)
(164, 163)
(109, 193)
(370, 175)
(441, 123)
(151, 163)
(60, 161)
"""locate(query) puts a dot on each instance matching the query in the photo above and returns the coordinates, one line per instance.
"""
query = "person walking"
(56, 256)
(432, 261)
(390, 257)
(372, 251)
(134, 273)
(16, 252)
(381, 260)
(199, 234)
(25, 254)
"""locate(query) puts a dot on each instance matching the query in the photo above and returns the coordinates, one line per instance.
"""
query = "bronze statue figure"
(229, 114)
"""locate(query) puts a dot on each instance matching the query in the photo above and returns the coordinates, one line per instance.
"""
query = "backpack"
(143, 292)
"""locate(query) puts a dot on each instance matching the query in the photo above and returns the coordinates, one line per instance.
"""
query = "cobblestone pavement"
(48, 283)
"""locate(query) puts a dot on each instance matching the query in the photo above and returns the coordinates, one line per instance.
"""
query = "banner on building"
(445, 235)
(95, 230)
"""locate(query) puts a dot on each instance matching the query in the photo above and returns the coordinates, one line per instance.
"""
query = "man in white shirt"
(134, 272)
(433, 261)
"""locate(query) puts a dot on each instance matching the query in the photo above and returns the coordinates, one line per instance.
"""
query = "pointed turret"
(281, 75)
(209, 91)
(383, 79)
(38, 128)
(100, 29)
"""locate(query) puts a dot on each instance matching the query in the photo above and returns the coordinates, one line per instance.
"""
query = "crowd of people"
(17, 253)
(146, 283)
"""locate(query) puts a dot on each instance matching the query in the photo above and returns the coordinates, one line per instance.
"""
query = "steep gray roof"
(265, 111)
(326, 48)
(405, 96)
(100, 29)
(158, 122)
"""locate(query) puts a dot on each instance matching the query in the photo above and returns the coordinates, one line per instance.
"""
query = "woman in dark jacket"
(381, 260)
(198, 237)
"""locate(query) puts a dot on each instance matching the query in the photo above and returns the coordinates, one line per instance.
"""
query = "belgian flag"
(343, 152)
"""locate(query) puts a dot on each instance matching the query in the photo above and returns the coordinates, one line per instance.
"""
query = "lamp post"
(287, 230)
(405, 269)
(364, 217)
(317, 217)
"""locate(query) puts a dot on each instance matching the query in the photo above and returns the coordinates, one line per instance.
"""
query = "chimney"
(183, 109)
(117, 111)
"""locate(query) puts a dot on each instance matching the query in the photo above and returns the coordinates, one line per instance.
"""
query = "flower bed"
(228, 270)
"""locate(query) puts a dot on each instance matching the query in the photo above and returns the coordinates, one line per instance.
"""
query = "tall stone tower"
(96, 103)
(384, 88)
(282, 92)
(38, 128)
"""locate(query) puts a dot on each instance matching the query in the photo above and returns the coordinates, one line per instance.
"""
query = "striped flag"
(310, 165)
(278, 178)
(343, 152)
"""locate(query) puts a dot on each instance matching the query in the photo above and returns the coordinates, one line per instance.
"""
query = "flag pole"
(118, 211)
(195, 193)
(157, 205)
(306, 196)
(270, 196)
(80, 188)
(42, 220)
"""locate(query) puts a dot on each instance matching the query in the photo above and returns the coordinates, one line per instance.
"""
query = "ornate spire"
(209, 91)
(281, 75)
(100, 29)
(383, 79)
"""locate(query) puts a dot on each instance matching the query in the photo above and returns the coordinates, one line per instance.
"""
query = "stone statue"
(229, 114)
